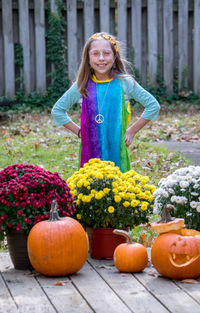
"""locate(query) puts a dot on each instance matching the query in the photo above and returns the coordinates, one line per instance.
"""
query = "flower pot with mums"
(106, 198)
(26, 194)
(182, 190)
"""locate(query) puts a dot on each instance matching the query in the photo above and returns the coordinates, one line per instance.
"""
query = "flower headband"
(107, 37)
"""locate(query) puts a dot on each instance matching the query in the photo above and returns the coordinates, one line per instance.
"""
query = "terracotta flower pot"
(102, 242)
(17, 247)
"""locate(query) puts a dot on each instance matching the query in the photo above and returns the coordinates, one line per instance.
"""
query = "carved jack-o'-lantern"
(176, 253)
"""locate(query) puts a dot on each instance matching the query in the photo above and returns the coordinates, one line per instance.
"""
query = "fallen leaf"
(60, 283)
(105, 266)
(190, 281)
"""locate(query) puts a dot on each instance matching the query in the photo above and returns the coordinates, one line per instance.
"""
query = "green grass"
(34, 139)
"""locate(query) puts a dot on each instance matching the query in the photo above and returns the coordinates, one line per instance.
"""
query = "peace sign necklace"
(99, 118)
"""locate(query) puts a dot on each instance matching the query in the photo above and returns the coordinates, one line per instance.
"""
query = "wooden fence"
(164, 35)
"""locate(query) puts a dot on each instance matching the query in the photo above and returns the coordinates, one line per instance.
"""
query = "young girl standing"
(105, 86)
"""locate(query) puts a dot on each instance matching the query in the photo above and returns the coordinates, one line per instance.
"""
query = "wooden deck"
(97, 287)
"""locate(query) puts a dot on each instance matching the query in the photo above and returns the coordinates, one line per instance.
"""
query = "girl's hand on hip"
(129, 135)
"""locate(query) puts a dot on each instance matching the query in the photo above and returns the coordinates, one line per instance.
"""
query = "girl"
(104, 85)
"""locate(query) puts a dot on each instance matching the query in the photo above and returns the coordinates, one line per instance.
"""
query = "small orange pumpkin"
(129, 257)
(58, 246)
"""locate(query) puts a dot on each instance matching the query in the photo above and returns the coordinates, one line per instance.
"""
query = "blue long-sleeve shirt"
(132, 90)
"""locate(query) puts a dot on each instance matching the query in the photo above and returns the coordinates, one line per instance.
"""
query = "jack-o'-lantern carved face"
(184, 251)
(177, 254)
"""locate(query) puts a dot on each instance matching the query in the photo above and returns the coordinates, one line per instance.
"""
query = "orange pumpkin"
(129, 257)
(176, 254)
(58, 246)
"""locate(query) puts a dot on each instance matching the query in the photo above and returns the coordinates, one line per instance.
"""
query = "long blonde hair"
(85, 71)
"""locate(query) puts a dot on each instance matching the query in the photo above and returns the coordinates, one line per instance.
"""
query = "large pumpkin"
(129, 257)
(58, 246)
(176, 254)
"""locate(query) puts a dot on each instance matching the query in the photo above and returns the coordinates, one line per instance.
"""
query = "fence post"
(136, 15)
(9, 69)
(152, 40)
(196, 47)
(182, 42)
(88, 18)
(72, 38)
(104, 16)
(168, 44)
(122, 21)
(40, 46)
(24, 40)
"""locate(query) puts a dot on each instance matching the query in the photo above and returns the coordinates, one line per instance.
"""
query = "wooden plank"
(122, 21)
(24, 40)
(144, 48)
(182, 42)
(9, 71)
(127, 287)
(53, 6)
(104, 16)
(40, 51)
(168, 293)
(168, 44)
(65, 298)
(88, 18)
(72, 38)
(196, 41)
(24, 288)
(7, 304)
(136, 17)
(32, 49)
(152, 41)
(192, 289)
(97, 293)
(1, 62)
(160, 38)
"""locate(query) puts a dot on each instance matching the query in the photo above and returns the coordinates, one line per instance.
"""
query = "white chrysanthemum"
(198, 208)
(194, 194)
(173, 199)
(196, 186)
(183, 200)
(193, 204)
(184, 184)
(171, 191)
(189, 178)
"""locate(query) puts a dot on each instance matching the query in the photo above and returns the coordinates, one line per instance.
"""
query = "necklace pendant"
(99, 118)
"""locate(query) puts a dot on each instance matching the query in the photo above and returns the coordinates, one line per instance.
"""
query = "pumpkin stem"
(123, 233)
(165, 215)
(54, 216)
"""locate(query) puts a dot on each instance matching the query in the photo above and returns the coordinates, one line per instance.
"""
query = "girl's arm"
(151, 105)
(59, 111)
(132, 130)
(73, 127)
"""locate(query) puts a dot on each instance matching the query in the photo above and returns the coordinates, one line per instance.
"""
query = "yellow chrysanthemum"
(131, 188)
(144, 180)
(126, 204)
(86, 199)
(78, 216)
(99, 195)
(117, 198)
(80, 196)
(144, 206)
(111, 209)
(134, 203)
